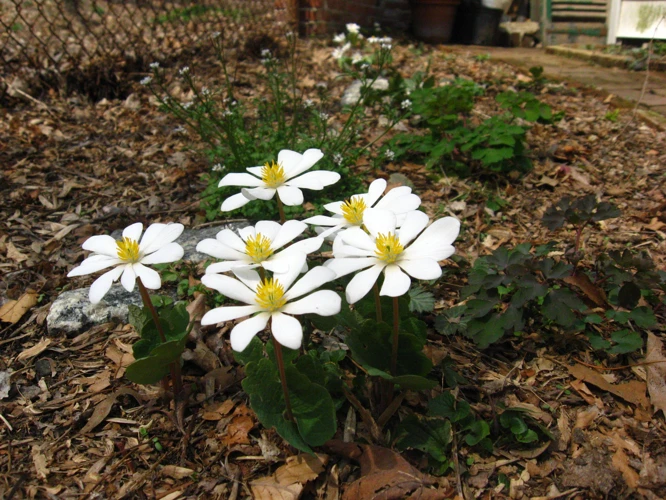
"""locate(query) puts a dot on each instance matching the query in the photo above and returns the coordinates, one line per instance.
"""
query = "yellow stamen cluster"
(258, 248)
(128, 249)
(353, 209)
(388, 247)
(273, 175)
(270, 295)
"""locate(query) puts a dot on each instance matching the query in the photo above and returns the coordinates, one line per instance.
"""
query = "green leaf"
(643, 317)
(146, 371)
(420, 300)
(597, 342)
(252, 353)
(629, 295)
(446, 406)
(478, 431)
(626, 341)
(486, 332)
(559, 306)
(430, 435)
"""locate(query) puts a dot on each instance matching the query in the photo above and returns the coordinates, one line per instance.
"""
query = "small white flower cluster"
(308, 103)
(339, 52)
(380, 40)
(205, 92)
(154, 65)
(218, 167)
(390, 155)
(353, 28)
(340, 38)
(266, 56)
(184, 70)
(337, 159)
(187, 105)
(406, 104)
(147, 80)
(215, 34)
(324, 116)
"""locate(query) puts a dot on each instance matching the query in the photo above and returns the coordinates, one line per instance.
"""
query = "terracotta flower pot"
(432, 20)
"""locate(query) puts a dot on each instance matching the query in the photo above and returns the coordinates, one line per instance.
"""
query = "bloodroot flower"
(392, 251)
(129, 256)
(349, 213)
(285, 177)
(258, 247)
(273, 299)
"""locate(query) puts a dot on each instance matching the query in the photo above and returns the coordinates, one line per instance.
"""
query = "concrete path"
(624, 84)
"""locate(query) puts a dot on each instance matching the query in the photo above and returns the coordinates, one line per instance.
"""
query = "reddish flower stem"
(283, 378)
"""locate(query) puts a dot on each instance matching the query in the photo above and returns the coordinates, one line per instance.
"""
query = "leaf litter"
(70, 427)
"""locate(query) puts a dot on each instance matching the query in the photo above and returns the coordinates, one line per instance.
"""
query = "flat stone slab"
(73, 313)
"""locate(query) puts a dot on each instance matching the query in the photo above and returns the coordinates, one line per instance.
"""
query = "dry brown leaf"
(591, 291)
(39, 461)
(632, 391)
(14, 254)
(176, 472)
(103, 409)
(33, 351)
(237, 430)
(621, 462)
(13, 310)
(656, 372)
(288, 480)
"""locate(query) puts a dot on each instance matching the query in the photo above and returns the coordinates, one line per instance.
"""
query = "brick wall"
(325, 17)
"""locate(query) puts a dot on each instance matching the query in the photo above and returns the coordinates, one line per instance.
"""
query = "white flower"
(129, 256)
(339, 53)
(353, 28)
(393, 252)
(272, 299)
(184, 70)
(217, 167)
(337, 159)
(357, 57)
(266, 53)
(154, 65)
(349, 213)
(146, 80)
(390, 155)
(285, 177)
(323, 116)
(406, 104)
(339, 38)
(308, 103)
(257, 247)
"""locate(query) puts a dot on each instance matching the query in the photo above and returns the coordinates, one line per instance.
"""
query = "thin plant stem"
(174, 368)
(283, 378)
(396, 329)
(283, 219)
(378, 304)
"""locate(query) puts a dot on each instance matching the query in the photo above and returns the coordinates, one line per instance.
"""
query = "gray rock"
(352, 93)
(72, 312)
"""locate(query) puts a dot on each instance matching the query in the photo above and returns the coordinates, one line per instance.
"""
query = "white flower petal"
(290, 195)
(102, 284)
(231, 239)
(306, 246)
(219, 250)
(229, 287)
(414, 223)
(133, 232)
(249, 277)
(258, 193)
(128, 279)
(171, 252)
(400, 204)
(287, 330)
(322, 220)
(151, 232)
(153, 240)
(335, 207)
(356, 237)
(392, 195)
(330, 232)
(435, 242)
(375, 191)
(396, 283)
(149, 277)
(361, 284)
(277, 264)
(316, 180)
(229, 265)
(234, 202)
(92, 264)
(227, 313)
(421, 269)
(306, 161)
(296, 263)
(287, 232)
(379, 221)
(244, 332)
(321, 302)
(103, 244)
(313, 279)
(343, 267)
(289, 160)
(247, 232)
(257, 171)
(269, 229)
(240, 179)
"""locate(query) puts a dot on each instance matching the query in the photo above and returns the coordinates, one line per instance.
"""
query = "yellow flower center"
(273, 175)
(258, 248)
(353, 209)
(270, 295)
(388, 247)
(128, 249)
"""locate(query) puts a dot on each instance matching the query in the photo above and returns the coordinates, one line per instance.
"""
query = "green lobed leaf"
(446, 406)
(431, 435)
(626, 341)
(421, 300)
(478, 431)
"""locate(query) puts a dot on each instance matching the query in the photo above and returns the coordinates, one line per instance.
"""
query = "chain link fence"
(61, 34)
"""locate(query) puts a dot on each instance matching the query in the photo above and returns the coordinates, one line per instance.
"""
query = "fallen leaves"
(13, 310)
(288, 481)
(632, 391)
(103, 408)
(656, 372)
